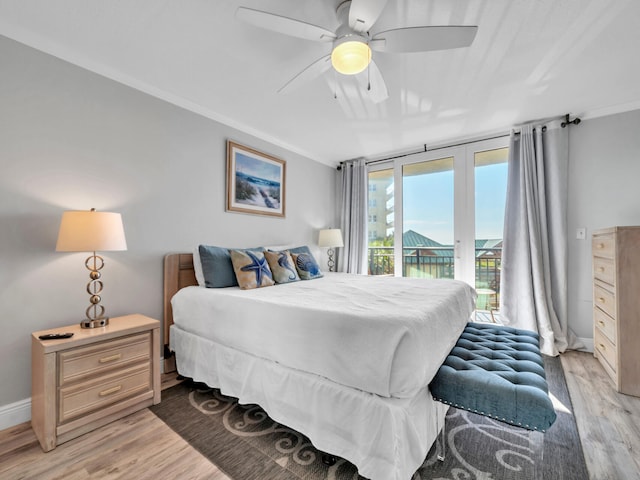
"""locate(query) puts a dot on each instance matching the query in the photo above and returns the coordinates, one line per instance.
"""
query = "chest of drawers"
(616, 305)
(94, 377)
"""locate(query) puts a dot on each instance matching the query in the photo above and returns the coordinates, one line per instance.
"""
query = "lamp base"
(331, 262)
(96, 323)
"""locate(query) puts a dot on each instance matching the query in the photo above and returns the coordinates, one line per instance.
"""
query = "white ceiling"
(531, 59)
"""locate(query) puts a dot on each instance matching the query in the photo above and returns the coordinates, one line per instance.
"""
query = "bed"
(344, 359)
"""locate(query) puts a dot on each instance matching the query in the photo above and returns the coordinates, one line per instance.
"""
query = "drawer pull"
(110, 391)
(601, 323)
(602, 347)
(600, 299)
(110, 358)
(600, 269)
(600, 246)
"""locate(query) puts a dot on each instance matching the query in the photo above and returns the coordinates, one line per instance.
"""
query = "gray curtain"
(533, 286)
(353, 217)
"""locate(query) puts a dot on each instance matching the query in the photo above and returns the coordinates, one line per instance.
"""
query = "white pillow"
(197, 266)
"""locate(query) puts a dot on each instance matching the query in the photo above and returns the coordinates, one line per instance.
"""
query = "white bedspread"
(384, 335)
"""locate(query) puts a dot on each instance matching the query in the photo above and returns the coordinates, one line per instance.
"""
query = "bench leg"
(536, 443)
(441, 444)
(328, 459)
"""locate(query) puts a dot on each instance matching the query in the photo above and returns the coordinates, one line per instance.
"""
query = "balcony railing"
(438, 262)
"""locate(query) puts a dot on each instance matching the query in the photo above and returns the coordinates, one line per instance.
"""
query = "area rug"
(246, 444)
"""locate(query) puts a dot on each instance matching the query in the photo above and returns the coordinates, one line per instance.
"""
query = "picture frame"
(255, 181)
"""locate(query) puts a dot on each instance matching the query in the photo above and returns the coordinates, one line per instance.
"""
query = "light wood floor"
(608, 422)
(141, 446)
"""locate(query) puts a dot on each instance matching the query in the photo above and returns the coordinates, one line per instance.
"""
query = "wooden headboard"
(178, 273)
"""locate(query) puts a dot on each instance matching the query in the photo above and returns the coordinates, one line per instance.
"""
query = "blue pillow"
(302, 249)
(217, 267)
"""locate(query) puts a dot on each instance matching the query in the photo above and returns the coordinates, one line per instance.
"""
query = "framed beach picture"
(255, 181)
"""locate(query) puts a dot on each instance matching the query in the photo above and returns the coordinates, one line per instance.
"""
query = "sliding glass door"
(427, 219)
(490, 186)
(381, 222)
(440, 214)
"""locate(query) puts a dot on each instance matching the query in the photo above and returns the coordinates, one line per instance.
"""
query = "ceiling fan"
(352, 42)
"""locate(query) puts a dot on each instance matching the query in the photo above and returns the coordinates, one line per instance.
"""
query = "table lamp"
(91, 231)
(331, 238)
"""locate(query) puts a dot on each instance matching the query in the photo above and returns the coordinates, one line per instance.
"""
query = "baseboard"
(15, 413)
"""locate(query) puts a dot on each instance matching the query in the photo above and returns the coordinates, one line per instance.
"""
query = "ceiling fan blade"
(373, 82)
(314, 70)
(423, 39)
(287, 26)
(364, 13)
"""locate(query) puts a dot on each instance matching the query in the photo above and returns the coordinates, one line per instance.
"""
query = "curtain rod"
(567, 121)
(427, 149)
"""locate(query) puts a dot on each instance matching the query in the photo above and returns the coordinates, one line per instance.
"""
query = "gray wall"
(604, 191)
(70, 139)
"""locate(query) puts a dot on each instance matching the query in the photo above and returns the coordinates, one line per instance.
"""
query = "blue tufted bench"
(497, 371)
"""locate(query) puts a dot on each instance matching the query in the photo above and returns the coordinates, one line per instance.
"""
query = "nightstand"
(95, 377)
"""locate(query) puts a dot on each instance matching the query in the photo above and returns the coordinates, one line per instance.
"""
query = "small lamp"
(91, 231)
(331, 238)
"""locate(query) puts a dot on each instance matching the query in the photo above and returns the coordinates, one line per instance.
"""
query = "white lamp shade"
(330, 237)
(90, 231)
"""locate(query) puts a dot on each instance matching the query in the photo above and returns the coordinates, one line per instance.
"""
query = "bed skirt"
(385, 438)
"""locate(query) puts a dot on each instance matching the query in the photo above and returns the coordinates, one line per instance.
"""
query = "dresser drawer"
(86, 397)
(604, 270)
(80, 363)
(603, 245)
(604, 300)
(605, 324)
(606, 350)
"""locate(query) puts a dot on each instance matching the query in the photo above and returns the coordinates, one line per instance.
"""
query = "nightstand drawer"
(604, 270)
(603, 245)
(605, 324)
(86, 397)
(80, 363)
(604, 300)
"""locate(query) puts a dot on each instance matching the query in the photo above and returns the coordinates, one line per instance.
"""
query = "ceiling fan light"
(351, 57)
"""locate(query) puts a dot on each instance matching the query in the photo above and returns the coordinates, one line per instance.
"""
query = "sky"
(428, 203)
(491, 193)
(264, 169)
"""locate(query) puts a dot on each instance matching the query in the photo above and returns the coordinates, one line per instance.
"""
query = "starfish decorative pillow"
(252, 269)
